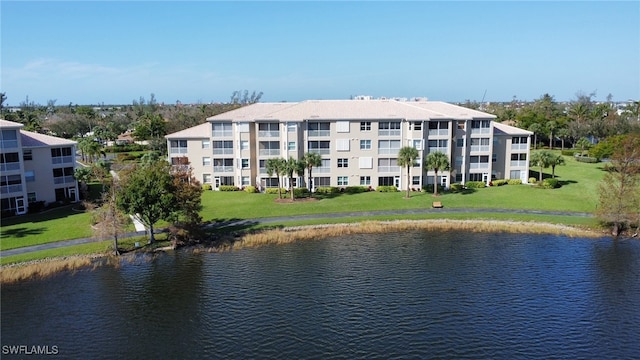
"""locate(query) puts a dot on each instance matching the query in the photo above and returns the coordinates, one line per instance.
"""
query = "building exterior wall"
(356, 151)
(13, 189)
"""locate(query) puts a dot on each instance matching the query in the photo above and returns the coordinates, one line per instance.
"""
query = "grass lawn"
(577, 194)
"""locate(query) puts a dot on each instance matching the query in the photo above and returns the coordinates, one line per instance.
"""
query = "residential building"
(358, 140)
(34, 167)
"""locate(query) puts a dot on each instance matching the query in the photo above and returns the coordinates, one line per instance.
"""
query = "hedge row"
(586, 159)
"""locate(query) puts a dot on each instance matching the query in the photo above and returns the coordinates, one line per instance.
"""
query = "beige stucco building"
(358, 140)
(34, 167)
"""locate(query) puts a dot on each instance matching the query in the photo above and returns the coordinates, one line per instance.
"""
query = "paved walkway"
(59, 244)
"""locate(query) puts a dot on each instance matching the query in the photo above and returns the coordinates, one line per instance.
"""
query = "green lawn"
(578, 194)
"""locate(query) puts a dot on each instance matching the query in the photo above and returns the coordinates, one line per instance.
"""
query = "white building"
(358, 140)
(34, 167)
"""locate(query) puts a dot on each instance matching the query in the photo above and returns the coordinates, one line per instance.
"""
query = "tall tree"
(436, 161)
(541, 159)
(583, 144)
(407, 158)
(619, 190)
(109, 219)
(277, 166)
(186, 216)
(148, 191)
(311, 160)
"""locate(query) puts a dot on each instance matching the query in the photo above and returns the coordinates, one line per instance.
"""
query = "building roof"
(202, 131)
(32, 139)
(351, 110)
(503, 129)
(10, 124)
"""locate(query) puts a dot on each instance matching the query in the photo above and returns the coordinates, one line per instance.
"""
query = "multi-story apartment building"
(358, 140)
(34, 167)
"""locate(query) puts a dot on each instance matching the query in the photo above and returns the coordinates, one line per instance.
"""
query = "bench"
(437, 204)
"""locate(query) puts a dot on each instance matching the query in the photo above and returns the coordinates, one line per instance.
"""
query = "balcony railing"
(8, 189)
(477, 131)
(10, 166)
(180, 150)
(8, 144)
(484, 148)
(63, 179)
(518, 163)
(438, 132)
(320, 151)
(443, 150)
(321, 170)
(62, 160)
(388, 151)
(222, 169)
(222, 151)
(519, 146)
(222, 133)
(313, 133)
(388, 169)
(269, 152)
(389, 132)
(275, 134)
(479, 166)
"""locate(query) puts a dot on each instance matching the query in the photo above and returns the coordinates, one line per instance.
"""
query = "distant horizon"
(91, 52)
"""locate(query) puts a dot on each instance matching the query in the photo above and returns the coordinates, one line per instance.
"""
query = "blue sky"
(87, 52)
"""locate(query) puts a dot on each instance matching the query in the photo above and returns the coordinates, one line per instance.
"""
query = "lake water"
(403, 295)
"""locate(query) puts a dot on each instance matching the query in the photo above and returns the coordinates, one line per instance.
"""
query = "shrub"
(36, 207)
(126, 157)
(532, 180)
(355, 189)
(456, 187)
(386, 188)
(514, 182)
(127, 148)
(327, 190)
(228, 188)
(273, 190)
(500, 182)
(568, 152)
(475, 184)
(550, 183)
(586, 159)
(301, 192)
(250, 189)
(206, 187)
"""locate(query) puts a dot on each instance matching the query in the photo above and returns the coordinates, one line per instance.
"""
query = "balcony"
(64, 179)
(269, 152)
(443, 150)
(518, 163)
(222, 151)
(8, 189)
(222, 133)
(10, 166)
(388, 151)
(62, 160)
(389, 132)
(438, 132)
(268, 134)
(321, 170)
(479, 166)
(480, 148)
(313, 133)
(178, 150)
(388, 169)
(222, 169)
(519, 146)
(320, 151)
(8, 144)
(478, 131)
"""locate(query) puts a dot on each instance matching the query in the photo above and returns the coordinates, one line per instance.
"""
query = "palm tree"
(583, 143)
(551, 126)
(290, 166)
(277, 166)
(535, 128)
(562, 133)
(311, 160)
(436, 161)
(407, 157)
(541, 159)
(555, 160)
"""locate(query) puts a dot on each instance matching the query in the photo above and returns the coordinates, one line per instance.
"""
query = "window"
(458, 177)
(221, 129)
(519, 143)
(320, 147)
(438, 128)
(62, 155)
(391, 128)
(342, 126)
(206, 178)
(343, 180)
(223, 165)
(31, 197)
(244, 144)
(386, 181)
(175, 147)
(388, 165)
(365, 163)
(365, 180)
(292, 127)
(63, 175)
(479, 162)
(480, 126)
(319, 128)
(324, 168)
(223, 147)
(269, 148)
(243, 127)
(388, 147)
(494, 157)
(8, 139)
(479, 144)
(343, 163)
(438, 145)
(415, 180)
(417, 144)
(29, 176)
(245, 181)
(458, 161)
(460, 142)
(291, 145)
(244, 163)
(206, 161)
(415, 125)
(475, 177)
(461, 125)
(27, 154)
(206, 144)
(10, 183)
(514, 174)
(182, 160)
(518, 160)
(9, 161)
(365, 126)
(365, 144)
(269, 130)
(321, 181)
(342, 145)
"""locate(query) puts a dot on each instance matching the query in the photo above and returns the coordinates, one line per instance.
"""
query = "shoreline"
(44, 268)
